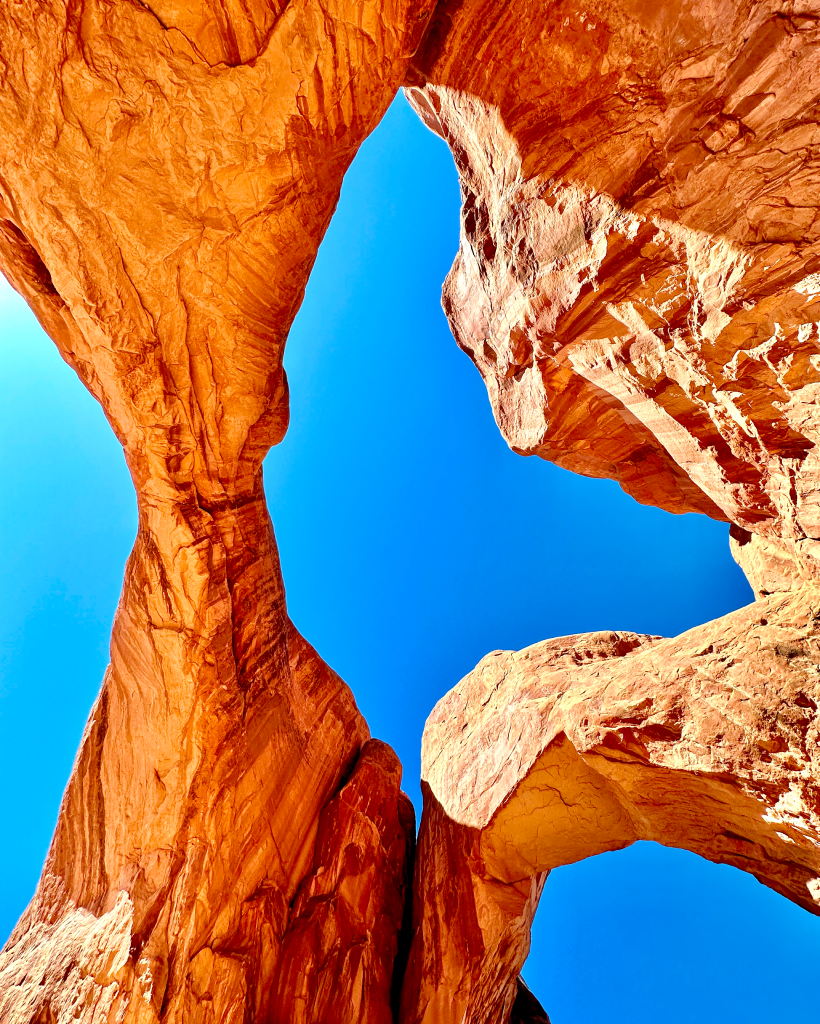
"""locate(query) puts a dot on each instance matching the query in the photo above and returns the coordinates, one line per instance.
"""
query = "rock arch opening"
(163, 191)
(632, 917)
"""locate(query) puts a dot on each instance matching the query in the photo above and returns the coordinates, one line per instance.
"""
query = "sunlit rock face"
(709, 741)
(638, 282)
(638, 273)
(167, 171)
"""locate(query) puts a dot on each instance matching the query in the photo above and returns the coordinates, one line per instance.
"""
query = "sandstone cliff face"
(166, 174)
(637, 283)
(637, 274)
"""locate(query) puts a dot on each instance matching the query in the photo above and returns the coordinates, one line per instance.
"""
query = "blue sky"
(413, 542)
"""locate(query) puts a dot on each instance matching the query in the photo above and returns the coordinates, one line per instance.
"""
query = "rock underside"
(638, 283)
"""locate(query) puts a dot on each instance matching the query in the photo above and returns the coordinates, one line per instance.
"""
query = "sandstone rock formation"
(709, 741)
(637, 278)
(638, 283)
(342, 926)
(167, 172)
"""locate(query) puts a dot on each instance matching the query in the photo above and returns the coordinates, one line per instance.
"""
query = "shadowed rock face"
(167, 171)
(526, 1008)
(638, 283)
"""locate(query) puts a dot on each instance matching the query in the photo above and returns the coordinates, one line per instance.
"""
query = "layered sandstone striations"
(638, 273)
(167, 172)
(638, 282)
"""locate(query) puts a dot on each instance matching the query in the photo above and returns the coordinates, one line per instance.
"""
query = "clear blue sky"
(413, 542)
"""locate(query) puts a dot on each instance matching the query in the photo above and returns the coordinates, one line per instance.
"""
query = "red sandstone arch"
(709, 742)
(639, 285)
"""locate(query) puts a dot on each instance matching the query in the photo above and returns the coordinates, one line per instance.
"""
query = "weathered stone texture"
(342, 926)
(638, 282)
(709, 741)
(637, 278)
(167, 172)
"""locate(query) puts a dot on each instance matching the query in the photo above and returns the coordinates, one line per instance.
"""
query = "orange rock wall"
(638, 282)
(167, 172)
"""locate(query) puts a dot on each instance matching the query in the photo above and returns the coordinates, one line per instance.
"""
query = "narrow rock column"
(165, 181)
(342, 926)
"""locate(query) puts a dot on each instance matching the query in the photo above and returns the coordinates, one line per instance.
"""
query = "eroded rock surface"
(638, 273)
(709, 741)
(638, 282)
(342, 927)
(167, 172)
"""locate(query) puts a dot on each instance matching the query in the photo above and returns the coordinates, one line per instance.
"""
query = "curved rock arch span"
(584, 744)
(639, 285)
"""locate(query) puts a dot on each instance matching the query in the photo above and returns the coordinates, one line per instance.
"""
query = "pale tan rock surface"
(167, 171)
(709, 741)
